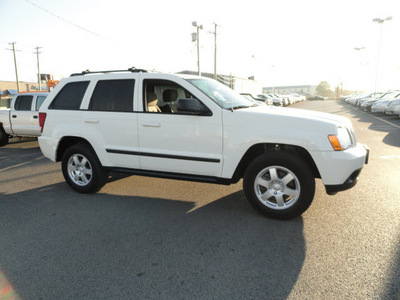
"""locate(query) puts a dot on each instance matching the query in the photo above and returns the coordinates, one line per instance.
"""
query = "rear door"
(110, 124)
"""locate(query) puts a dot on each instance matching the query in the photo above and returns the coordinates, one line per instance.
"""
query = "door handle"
(35, 117)
(151, 124)
(92, 121)
(14, 116)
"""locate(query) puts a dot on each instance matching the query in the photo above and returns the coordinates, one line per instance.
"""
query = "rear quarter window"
(70, 97)
(39, 101)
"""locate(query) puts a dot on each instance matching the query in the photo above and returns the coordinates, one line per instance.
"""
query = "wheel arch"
(69, 141)
(258, 149)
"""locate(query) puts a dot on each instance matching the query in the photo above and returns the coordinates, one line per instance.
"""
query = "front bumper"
(351, 181)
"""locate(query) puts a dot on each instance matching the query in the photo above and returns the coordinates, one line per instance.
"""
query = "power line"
(61, 18)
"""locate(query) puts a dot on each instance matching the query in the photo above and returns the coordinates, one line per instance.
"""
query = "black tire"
(82, 169)
(279, 185)
(3, 137)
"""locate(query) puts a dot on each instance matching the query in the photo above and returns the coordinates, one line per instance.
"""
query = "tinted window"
(70, 96)
(23, 103)
(39, 101)
(113, 95)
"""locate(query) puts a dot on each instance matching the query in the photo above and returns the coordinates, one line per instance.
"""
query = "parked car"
(298, 97)
(368, 97)
(379, 106)
(317, 98)
(366, 105)
(276, 101)
(392, 107)
(195, 128)
(353, 100)
(22, 118)
(257, 99)
(285, 100)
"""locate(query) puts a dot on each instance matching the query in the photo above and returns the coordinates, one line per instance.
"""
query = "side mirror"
(193, 106)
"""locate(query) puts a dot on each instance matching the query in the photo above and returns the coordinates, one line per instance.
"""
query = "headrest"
(151, 99)
(170, 95)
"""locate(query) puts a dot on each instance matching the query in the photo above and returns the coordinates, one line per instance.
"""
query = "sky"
(285, 42)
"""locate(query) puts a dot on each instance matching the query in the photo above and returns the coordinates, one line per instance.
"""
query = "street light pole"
(379, 21)
(194, 23)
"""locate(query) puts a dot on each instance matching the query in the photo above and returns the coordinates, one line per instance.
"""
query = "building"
(296, 89)
(12, 85)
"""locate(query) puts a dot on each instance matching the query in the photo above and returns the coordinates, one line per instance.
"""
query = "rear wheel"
(280, 185)
(82, 169)
(3, 137)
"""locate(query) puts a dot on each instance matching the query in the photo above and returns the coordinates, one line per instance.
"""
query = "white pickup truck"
(22, 118)
(195, 128)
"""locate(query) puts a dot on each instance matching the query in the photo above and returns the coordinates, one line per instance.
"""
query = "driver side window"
(162, 96)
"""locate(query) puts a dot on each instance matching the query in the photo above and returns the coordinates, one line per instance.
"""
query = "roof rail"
(133, 70)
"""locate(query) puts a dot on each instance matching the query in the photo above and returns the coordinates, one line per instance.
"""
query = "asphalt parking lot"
(147, 238)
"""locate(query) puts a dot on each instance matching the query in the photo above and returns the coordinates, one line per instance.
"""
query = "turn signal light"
(335, 142)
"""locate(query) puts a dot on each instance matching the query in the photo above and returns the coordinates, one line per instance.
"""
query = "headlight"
(341, 141)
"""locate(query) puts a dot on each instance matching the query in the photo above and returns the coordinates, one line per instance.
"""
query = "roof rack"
(133, 70)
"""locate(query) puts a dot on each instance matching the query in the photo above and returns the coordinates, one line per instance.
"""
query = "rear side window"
(23, 103)
(70, 96)
(113, 95)
(39, 101)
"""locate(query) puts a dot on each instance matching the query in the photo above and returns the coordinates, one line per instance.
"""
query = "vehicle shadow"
(392, 290)
(58, 244)
(376, 124)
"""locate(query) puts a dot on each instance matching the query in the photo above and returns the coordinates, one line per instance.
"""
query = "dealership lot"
(153, 238)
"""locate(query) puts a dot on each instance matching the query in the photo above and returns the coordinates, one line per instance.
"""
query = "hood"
(296, 113)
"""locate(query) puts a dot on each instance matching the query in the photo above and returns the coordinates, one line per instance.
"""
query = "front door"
(23, 118)
(175, 142)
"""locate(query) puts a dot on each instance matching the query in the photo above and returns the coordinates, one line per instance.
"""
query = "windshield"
(221, 94)
(392, 95)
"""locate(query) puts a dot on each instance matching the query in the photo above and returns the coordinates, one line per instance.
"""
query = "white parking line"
(21, 164)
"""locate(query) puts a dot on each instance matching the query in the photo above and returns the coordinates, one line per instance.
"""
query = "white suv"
(194, 128)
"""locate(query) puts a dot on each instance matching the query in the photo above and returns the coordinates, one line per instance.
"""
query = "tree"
(324, 89)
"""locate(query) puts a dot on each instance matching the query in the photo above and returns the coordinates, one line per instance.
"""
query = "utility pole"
(38, 69)
(15, 63)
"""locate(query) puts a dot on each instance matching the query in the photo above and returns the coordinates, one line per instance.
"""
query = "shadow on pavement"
(392, 129)
(57, 244)
(393, 288)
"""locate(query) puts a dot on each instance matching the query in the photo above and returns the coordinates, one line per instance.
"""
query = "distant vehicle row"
(275, 99)
(383, 102)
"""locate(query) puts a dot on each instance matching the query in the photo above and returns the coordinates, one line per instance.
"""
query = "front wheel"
(82, 169)
(279, 185)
